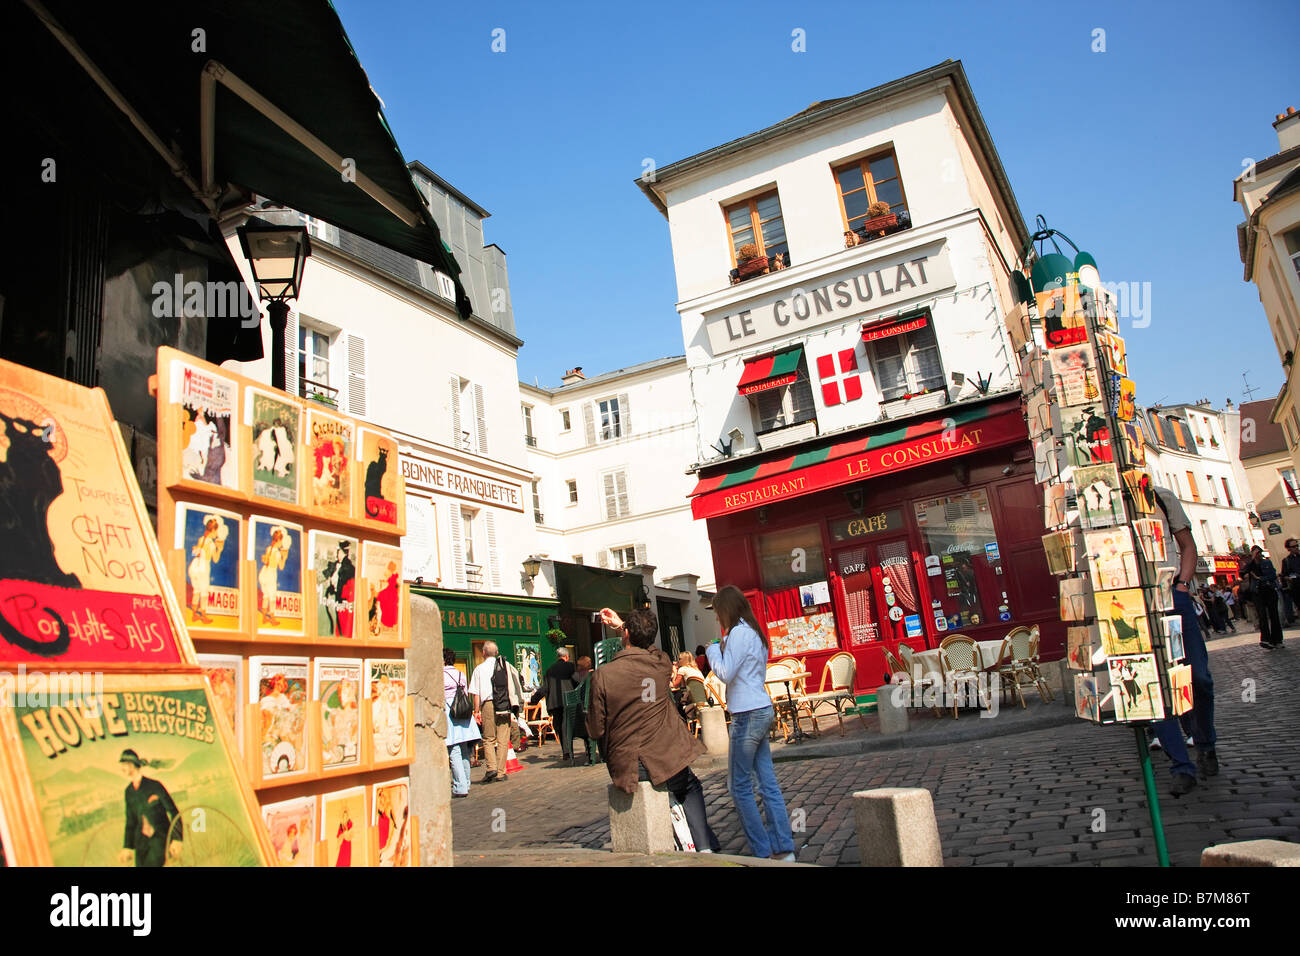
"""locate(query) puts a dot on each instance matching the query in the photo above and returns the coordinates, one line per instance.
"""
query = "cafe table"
(790, 703)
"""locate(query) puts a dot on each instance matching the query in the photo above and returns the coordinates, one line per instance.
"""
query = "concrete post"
(1252, 853)
(891, 707)
(713, 730)
(640, 822)
(896, 827)
(430, 770)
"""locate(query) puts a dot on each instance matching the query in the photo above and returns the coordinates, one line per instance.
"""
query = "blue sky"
(1131, 151)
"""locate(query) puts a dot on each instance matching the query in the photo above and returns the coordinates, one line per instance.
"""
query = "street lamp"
(532, 567)
(277, 255)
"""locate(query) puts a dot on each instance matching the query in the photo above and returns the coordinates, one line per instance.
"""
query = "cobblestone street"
(1026, 799)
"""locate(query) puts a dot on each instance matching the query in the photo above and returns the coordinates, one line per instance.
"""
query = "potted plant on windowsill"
(557, 637)
(323, 399)
(749, 263)
(879, 220)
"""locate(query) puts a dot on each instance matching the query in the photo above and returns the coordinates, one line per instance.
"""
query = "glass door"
(901, 617)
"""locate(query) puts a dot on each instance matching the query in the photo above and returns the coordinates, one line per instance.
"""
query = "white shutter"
(356, 382)
(624, 416)
(623, 508)
(640, 553)
(589, 422)
(290, 357)
(602, 558)
(480, 415)
(457, 547)
(494, 563)
(455, 416)
(611, 498)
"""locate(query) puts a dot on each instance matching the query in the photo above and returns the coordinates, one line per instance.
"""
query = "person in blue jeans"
(740, 661)
(1199, 721)
(461, 734)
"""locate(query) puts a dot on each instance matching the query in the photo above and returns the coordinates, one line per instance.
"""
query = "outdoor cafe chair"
(699, 696)
(781, 701)
(959, 657)
(1007, 671)
(842, 671)
(899, 672)
(539, 719)
(1024, 644)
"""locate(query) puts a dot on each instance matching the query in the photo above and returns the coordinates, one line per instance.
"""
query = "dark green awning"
(296, 55)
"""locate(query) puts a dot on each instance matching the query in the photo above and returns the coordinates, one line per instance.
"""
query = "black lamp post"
(277, 255)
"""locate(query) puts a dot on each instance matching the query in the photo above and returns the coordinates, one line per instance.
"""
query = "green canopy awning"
(296, 59)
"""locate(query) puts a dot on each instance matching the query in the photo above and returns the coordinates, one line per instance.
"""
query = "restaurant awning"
(860, 458)
(770, 371)
(269, 97)
(895, 326)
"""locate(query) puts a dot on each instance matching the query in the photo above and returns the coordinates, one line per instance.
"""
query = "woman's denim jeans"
(459, 754)
(749, 768)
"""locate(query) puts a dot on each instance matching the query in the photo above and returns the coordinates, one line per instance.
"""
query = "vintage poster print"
(225, 672)
(124, 766)
(334, 573)
(391, 808)
(1075, 599)
(209, 541)
(381, 571)
(1112, 562)
(1060, 505)
(1085, 697)
(329, 446)
(275, 547)
(1141, 490)
(6, 842)
(207, 402)
(338, 688)
(1164, 590)
(528, 661)
(1114, 351)
(1087, 435)
(1074, 375)
(386, 691)
(1038, 414)
(1174, 648)
(1101, 502)
(275, 424)
(377, 454)
(1047, 463)
(1062, 315)
(1135, 446)
(1059, 548)
(1180, 686)
(1101, 305)
(279, 687)
(1151, 538)
(343, 827)
(1084, 647)
(1122, 618)
(1125, 399)
(292, 825)
(79, 572)
(1137, 687)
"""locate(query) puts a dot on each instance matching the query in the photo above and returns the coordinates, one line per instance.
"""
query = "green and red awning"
(770, 371)
(860, 458)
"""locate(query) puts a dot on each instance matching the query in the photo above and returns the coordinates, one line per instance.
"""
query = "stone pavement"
(1062, 794)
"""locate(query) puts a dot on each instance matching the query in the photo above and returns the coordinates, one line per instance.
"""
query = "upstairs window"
(1290, 489)
(868, 180)
(529, 438)
(907, 363)
(1292, 240)
(758, 221)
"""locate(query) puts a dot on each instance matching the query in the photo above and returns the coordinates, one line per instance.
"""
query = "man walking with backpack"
(498, 694)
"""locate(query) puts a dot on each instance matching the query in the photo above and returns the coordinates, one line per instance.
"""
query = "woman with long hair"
(740, 661)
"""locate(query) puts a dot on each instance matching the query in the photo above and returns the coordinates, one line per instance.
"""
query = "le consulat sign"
(869, 287)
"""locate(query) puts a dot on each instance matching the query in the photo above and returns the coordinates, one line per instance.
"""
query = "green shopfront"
(517, 625)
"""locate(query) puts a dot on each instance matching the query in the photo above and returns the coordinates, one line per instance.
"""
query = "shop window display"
(796, 592)
(962, 551)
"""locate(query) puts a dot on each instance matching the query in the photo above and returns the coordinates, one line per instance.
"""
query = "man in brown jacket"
(641, 734)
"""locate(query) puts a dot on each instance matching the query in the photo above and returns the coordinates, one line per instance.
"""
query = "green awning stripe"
(783, 363)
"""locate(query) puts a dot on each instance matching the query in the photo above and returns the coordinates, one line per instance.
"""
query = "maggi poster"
(78, 578)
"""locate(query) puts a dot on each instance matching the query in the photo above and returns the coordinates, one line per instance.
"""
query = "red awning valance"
(884, 330)
(770, 371)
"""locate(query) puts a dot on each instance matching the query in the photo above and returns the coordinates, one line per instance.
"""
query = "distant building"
(1271, 472)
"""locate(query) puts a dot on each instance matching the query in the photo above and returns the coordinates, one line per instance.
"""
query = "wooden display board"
(105, 710)
(281, 523)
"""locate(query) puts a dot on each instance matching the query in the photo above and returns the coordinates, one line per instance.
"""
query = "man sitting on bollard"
(641, 734)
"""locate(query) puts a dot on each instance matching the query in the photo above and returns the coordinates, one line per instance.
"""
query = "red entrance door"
(880, 594)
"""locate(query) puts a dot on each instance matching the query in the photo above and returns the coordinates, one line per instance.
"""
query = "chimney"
(573, 376)
(1288, 128)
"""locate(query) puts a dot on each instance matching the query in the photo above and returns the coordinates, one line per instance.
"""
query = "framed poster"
(343, 827)
(275, 548)
(1087, 435)
(338, 688)
(1101, 502)
(275, 424)
(386, 691)
(279, 686)
(1175, 650)
(391, 811)
(292, 825)
(329, 447)
(1180, 687)
(208, 540)
(379, 477)
(208, 404)
(1074, 375)
(333, 559)
(1112, 563)
(381, 589)
(140, 753)
(225, 674)
(528, 661)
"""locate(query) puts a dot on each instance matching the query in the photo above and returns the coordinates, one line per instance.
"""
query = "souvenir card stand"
(282, 521)
(1119, 645)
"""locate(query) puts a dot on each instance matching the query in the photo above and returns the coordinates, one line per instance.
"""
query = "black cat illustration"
(375, 482)
(30, 480)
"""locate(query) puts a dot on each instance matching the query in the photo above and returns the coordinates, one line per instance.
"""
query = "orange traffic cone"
(512, 762)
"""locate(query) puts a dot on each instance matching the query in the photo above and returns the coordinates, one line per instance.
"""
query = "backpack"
(462, 708)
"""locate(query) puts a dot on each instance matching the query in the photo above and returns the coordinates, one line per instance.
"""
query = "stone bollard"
(1252, 853)
(640, 822)
(891, 707)
(896, 827)
(430, 770)
(713, 730)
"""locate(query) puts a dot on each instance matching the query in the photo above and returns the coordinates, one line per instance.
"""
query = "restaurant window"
(796, 592)
(864, 181)
(963, 561)
(907, 363)
(757, 220)
(785, 405)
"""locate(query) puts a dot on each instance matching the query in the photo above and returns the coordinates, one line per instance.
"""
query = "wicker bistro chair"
(539, 719)
(959, 656)
(919, 683)
(782, 702)
(842, 670)
(717, 692)
(1024, 647)
(1005, 668)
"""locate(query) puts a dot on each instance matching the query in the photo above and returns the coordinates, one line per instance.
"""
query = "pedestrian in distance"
(461, 734)
(498, 695)
(1263, 580)
(557, 682)
(1291, 579)
(740, 661)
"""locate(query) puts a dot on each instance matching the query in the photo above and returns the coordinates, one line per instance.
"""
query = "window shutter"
(480, 415)
(291, 354)
(356, 373)
(623, 509)
(589, 422)
(455, 417)
(624, 416)
(494, 563)
(611, 498)
(457, 546)
(602, 558)
(640, 553)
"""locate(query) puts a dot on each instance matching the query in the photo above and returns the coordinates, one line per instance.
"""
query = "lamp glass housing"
(277, 255)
